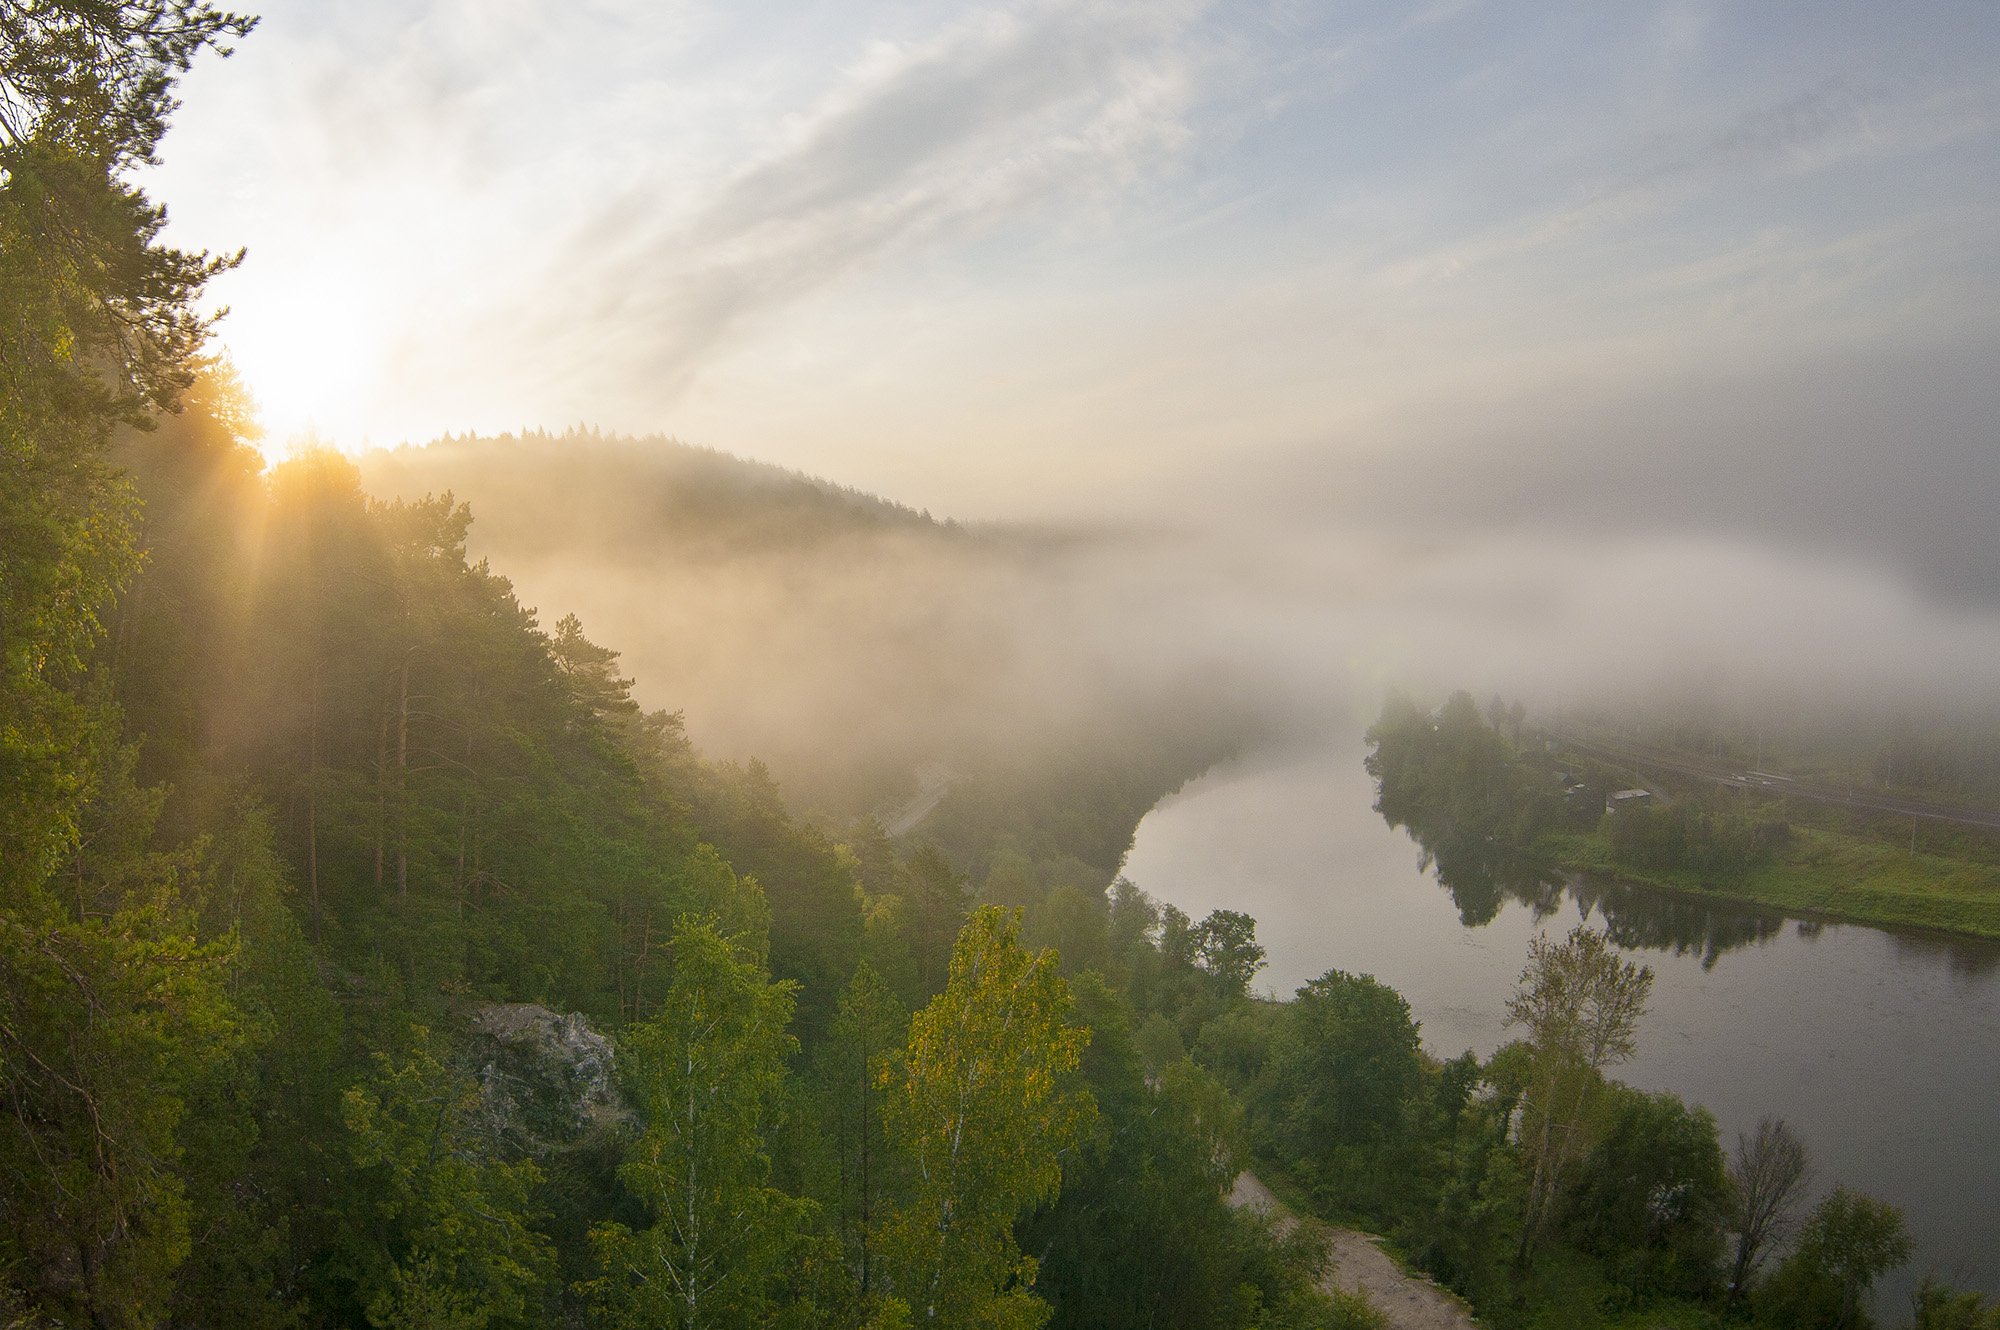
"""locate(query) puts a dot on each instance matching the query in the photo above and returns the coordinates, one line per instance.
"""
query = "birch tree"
(985, 1108)
(1581, 1004)
(705, 1072)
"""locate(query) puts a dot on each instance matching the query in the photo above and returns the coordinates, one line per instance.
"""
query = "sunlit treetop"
(97, 311)
(97, 78)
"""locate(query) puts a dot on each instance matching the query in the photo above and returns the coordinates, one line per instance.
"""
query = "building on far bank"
(1628, 799)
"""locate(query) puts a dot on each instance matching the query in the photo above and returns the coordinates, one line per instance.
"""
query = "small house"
(1628, 799)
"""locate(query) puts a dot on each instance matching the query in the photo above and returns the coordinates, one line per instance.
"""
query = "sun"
(307, 351)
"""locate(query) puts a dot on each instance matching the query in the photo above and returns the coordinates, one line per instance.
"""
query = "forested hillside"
(346, 800)
(845, 641)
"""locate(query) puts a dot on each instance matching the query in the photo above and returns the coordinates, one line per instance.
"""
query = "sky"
(1527, 303)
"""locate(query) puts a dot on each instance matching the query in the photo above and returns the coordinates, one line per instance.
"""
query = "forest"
(370, 956)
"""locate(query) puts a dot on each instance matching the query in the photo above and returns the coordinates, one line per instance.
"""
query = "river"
(1882, 1049)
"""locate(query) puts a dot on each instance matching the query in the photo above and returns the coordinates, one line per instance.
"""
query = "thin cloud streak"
(997, 117)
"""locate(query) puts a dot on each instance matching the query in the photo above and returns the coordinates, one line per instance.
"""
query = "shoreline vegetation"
(1943, 896)
(1501, 808)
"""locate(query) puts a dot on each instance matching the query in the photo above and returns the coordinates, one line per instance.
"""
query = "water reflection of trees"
(1967, 958)
(1483, 874)
(1639, 916)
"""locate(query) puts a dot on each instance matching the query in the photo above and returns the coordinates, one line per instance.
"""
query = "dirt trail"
(1407, 1302)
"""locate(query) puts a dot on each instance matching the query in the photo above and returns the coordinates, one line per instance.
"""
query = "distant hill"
(534, 492)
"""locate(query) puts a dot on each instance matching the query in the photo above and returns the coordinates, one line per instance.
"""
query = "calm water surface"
(1881, 1049)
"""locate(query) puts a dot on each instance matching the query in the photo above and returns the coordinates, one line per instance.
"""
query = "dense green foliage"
(1847, 1243)
(704, 1073)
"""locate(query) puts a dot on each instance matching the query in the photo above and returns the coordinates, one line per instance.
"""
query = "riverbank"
(1823, 873)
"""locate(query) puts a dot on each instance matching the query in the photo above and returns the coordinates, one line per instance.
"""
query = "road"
(1646, 756)
(1357, 1265)
(934, 781)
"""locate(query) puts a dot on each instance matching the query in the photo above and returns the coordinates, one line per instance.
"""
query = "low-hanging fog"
(845, 641)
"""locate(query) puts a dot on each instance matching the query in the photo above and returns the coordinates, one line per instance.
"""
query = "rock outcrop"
(546, 1077)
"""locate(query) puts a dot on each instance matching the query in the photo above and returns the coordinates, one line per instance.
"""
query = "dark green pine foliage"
(935, 901)
(113, 1007)
(816, 921)
(1141, 1235)
(851, 1071)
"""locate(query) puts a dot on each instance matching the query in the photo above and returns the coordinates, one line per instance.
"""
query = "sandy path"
(1407, 1302)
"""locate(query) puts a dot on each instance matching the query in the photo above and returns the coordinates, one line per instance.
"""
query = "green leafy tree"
(1236, 1044)
(1848, 1242)
(1177, 936)
(1226, 946)
(263, 1143)
(1158, 1043)
(1141, 1235)
(107, 1024)
(97, 326)
(1938, 1307)
(1010, 882)
(705, 1072)
(1652, 1196)
(1346, 1068)
(985, 1109)
(1132, 922)
(1473, 1227)
(1072, 922)
(1581, 1006)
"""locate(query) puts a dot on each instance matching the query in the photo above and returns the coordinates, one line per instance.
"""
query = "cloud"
(1679, 181)
(922, 141)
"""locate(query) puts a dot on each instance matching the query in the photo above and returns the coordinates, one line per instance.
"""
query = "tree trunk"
(381, 790)
(403, 780)
(312, 797)
(865, 1199)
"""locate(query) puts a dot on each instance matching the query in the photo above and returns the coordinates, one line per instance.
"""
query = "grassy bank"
(1828, 872)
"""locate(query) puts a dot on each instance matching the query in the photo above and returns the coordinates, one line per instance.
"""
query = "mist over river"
(1881, 1049)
